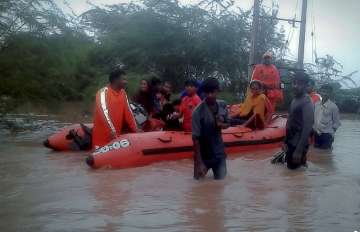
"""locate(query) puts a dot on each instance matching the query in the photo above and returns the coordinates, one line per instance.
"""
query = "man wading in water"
(208, 118)
(299, 125)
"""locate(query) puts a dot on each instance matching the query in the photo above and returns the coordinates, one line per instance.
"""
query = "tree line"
(50, 55)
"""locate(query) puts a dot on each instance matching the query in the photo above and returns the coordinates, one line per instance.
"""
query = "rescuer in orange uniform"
(112, 111)
(315, 97)
(269, 76)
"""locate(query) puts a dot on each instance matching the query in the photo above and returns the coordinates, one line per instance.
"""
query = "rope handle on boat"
(165, 140)
(238, 135)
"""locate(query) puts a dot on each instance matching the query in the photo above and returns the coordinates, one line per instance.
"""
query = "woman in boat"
(256, 111)
(144, 96)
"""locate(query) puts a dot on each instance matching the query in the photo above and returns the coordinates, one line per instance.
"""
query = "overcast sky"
(337, 25)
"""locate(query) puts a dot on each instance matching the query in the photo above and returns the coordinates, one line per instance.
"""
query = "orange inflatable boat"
(140, 149)
(72, 138)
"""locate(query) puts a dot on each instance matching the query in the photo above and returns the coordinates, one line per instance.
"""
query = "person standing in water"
(208, 119)
(112, 110)
(299, 124)
(327, 119)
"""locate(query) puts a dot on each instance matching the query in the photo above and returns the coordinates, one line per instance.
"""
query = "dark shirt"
(145, 100)
(170, 124)
(300, 122)
(205, 130)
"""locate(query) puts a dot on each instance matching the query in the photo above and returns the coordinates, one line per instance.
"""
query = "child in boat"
(188, 104)
(167, 90)
(255, 112)
(172, 124)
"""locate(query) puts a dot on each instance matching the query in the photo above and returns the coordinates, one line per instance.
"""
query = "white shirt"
(327, 117)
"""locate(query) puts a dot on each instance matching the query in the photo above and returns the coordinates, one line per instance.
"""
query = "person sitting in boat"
(144, 96)
(112, 110)
(315, 97)
(162, 99)
(188, 104)
(155, 89)
(171, 123)
(268, 74)
(255, 112)
(167, 90)
(199, 91)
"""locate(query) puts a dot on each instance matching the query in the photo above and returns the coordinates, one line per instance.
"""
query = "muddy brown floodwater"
(42, 190)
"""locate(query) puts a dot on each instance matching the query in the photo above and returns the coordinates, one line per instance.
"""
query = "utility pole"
(254, 34)
(300, 63)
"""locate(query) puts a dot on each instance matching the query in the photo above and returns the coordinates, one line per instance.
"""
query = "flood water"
(42, 190)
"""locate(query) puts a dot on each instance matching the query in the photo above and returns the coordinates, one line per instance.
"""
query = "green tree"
(34, 16)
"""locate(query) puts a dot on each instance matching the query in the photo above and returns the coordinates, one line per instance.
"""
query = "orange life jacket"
(112, 114)
(315, 97)
(269, 76)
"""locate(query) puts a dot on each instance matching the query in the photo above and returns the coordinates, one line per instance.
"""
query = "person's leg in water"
(317, 140)
(323, 141)
(197, 175)
(289, 157)
(218, 167)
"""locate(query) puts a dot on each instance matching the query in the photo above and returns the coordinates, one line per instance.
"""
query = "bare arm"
(199, 167)
(222, 119)
(197, 154)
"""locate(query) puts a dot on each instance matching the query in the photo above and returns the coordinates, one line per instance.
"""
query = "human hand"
(285, 147)
(174, 115)
(223, 125)
(200, 170)
(297, 157)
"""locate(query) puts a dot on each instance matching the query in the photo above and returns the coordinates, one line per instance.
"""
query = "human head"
(255, 87)
(300, 83)
(117, 77)
(190, 87)
(211, 88)
(160, 94)
(267, 58)
(176, 104)
(326, 92)
(167, 87)
(155, 83)
(311, 86)
(144, 86)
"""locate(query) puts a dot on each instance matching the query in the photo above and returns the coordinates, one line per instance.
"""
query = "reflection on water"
(47, 191)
